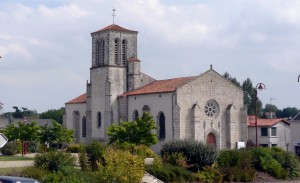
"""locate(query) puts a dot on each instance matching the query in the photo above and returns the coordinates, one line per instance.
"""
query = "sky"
(45, 45)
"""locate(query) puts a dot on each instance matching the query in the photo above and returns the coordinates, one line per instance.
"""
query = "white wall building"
(206, 107)
(270, 132)
(295, 135)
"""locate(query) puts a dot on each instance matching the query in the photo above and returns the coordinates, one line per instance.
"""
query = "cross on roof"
(113, 15)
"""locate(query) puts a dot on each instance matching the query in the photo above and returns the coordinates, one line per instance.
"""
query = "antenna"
(113, 15)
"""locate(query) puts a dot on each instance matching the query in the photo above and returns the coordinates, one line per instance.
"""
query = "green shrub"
(74, 148)
(143, 151)
(176, 159)
(208, 175)
(170, 173)
(236, 165)
(198, 154)
(121, 166)
(94, 152)
(257, 153)
(55, 161)
(10, 148)
(273, 167)
(287, 160)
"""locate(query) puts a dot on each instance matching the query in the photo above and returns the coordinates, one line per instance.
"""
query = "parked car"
(11, 179)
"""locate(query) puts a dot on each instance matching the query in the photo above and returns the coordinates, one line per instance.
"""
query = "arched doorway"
(211, 139)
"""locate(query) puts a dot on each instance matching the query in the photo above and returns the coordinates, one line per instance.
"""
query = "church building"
(206, 107)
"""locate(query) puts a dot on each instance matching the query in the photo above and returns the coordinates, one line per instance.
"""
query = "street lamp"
(259, 86)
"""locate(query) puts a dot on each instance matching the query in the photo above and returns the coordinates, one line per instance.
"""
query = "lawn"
(9, 171)
(15, 158)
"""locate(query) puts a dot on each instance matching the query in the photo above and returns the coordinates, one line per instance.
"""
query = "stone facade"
(205, 108)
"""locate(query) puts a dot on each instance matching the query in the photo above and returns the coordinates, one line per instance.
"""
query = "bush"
(256, 154)
(55, 161)
(208, 175)
(176, 159)
(287, 160)
(236, 165)
(94, 152)
(198, 154)
(170, 173)
(74, 148)
(143, 151)
(121, 166)
(273, 167)
(10, 148)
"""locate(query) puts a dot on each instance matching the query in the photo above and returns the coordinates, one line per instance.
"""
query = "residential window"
(264, 145)
(264, 132)
(99, 119)
(83, 126)
(274, 145)
(273, 131)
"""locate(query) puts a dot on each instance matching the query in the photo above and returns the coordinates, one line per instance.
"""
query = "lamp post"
(259, 86)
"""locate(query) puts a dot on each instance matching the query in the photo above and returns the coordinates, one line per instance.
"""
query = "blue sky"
(46, 45)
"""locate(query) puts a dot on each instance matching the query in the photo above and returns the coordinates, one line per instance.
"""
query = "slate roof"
(80, 99)
(115, 27)
(161, 86)
(264, 122)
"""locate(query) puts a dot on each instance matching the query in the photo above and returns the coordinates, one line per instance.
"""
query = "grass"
(15, 158)
(11, 171)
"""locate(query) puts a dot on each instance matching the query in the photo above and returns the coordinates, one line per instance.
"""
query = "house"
(270, 132)
(206, 107)
(295, 134)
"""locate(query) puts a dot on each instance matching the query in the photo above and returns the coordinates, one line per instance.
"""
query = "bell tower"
(112, 47)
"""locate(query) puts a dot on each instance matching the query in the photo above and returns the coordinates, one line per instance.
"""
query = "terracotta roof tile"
(132, 59)
(79, 99)
(114, 27)
(264, 122)
(161, 86)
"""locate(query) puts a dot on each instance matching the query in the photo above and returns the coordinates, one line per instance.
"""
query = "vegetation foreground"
(122, 159)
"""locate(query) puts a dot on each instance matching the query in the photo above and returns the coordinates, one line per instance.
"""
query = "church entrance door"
(211, 139)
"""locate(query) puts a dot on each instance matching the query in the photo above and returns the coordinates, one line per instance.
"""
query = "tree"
(23, 113)
(232, 79)
(55, 134)
(249, 98)
(270, 108)
(24, 132)
(55, 114)
(134, 133)
(288, 112)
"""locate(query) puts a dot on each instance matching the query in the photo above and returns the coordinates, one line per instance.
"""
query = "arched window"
(117, 51)
(99, 119)
(124, 51)
(83, 126)
(135, 115)
(162, 126)
(97, 53)
(101, 52)
(146, 108)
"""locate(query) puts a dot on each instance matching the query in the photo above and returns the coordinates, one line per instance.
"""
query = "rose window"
(211, 109)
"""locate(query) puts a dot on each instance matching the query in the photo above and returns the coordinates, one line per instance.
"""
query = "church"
(206, 107)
